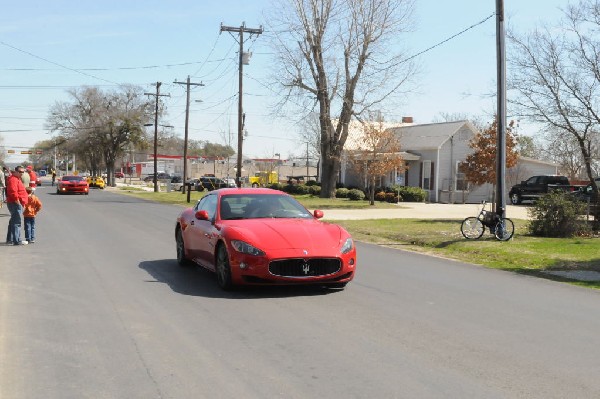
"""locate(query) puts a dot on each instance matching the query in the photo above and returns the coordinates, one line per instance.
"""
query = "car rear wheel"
(254, 185)
(223, 269)
(180, 245)
(515, 199)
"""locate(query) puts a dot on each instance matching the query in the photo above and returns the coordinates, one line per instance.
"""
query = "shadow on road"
(197, 281)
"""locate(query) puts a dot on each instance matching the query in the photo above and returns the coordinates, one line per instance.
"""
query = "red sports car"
(73, 184)
(264, 237)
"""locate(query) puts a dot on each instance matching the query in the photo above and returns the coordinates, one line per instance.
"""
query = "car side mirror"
(202, 215)
(318, 213)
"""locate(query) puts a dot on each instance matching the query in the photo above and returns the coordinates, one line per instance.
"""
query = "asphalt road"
(98, 308)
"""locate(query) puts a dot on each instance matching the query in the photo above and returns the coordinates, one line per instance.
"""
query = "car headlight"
(246, 248)
(348, 245)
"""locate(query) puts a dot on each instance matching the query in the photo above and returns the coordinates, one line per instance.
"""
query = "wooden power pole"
(241, 30)
(156, 131)
(187, 118)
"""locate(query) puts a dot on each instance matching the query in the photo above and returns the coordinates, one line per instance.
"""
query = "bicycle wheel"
(505, 228)
(472, 228)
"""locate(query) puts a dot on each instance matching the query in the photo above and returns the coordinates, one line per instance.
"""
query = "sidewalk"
(419, 210)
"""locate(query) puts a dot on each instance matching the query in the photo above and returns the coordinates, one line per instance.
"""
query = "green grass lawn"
(523, 254)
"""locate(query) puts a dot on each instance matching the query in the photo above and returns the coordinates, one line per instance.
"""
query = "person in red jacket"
(32, 177)
(16, 199)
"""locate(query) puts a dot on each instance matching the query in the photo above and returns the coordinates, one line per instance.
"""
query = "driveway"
(419, 210)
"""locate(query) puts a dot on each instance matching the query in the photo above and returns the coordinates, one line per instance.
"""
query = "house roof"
(428, 136)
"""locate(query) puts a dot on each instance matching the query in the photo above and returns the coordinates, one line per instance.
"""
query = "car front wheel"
(223, 269)
(180, 245)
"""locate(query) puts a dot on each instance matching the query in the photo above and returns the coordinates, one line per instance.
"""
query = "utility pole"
(156, 131)
(241, 30)
(187, 118)
(501, 125)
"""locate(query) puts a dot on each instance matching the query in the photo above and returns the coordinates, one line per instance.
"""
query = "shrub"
(411, 194)
(341, 192)
(314, 190)
(312, 183)
(356, 195)
(277, 186)
(391, 197)
(301, 189)
(380, 196)
(288, 188)
(557, 214)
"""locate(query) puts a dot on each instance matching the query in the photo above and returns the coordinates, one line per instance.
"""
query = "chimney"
(407, 119)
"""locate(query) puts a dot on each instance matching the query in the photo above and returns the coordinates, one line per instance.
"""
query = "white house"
(432, 154)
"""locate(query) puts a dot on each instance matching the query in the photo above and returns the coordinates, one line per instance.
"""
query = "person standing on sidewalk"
(16, 199)
(2, 187)
(34, 205)
(32, 177)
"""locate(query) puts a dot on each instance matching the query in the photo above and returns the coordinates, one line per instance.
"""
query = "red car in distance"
(119, 175)
(259, 236)
(73, 184)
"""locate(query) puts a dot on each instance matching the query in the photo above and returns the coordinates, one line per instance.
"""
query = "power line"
(55, 63)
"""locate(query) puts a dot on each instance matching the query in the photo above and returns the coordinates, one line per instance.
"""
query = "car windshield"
(72, 178)
(257, 206)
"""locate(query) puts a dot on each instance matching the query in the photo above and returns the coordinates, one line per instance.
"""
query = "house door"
(427, 177)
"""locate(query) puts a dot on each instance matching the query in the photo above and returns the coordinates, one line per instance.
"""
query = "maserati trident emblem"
(305, 268)
(305, 252)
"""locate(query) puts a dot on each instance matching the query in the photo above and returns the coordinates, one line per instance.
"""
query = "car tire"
(182, 260)
(515, 199)
(223, 269)
(254, 185)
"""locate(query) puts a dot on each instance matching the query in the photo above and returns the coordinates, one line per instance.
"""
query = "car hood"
(269, 234)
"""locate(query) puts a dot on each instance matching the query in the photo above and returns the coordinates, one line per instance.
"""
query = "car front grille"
(305, 267)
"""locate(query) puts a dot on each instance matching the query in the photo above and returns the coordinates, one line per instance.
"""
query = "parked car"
(119, 175)
(177, 183)
(537, 186)
(159, 176)
(73, 184)
(210, 183)
(96, 181)
(230, 182)
(262, 236)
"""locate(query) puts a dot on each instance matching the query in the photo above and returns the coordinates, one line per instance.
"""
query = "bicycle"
(473, 227)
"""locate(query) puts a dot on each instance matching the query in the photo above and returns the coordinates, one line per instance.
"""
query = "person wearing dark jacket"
(16, 199)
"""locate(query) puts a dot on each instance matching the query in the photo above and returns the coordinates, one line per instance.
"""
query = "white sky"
(155, 38)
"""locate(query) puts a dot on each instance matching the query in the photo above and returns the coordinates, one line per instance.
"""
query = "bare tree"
(555, 74)
(95, 121)
(335, 54)
(375, 153)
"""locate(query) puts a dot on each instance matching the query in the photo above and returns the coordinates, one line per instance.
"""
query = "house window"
(426, 178)
(461, 181)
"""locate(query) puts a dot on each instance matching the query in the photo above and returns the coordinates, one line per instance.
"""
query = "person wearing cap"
(32, 177)
(16, 199)
(34, 205)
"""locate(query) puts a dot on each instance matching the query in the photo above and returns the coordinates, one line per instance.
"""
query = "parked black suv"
(210, 183)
